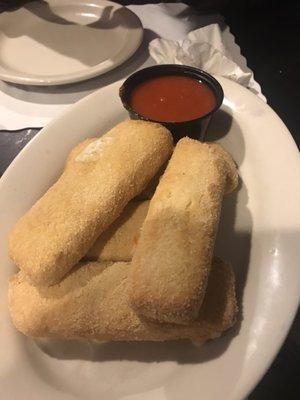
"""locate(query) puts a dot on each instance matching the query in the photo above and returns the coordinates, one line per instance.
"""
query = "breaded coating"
(118, 242)
(172, 261)
(149, 190)
(89, 195)
(92, 303)
(77, 150)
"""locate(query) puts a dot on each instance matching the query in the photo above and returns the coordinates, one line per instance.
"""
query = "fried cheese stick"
(92, 303)
(89, 195)
(118, 242)
(172, 260)
(149, 190)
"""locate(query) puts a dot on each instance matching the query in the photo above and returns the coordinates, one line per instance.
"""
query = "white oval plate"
(259, 234)
(66, 41)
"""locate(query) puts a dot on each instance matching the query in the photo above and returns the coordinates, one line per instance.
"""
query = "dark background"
(268, 33)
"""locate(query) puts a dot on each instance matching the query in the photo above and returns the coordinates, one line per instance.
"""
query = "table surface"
(272, 50)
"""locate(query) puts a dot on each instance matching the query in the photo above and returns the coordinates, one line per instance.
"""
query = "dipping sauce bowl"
(180, 97)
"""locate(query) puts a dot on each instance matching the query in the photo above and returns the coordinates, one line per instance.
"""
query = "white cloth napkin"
(29, 106)
(205, 48)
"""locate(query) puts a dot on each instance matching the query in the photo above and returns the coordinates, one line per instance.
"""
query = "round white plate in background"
(259, 234)
(56, 42)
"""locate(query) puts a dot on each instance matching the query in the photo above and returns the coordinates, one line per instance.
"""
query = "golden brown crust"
(149, 190)
(90, 194)
(92, 303)
(77, 150)
(228, 166)
(171, 264)
(118, 242)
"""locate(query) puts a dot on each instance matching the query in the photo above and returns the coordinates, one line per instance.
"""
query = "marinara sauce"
(172, 98)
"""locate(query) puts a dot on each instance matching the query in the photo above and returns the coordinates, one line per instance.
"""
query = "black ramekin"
(194, 128)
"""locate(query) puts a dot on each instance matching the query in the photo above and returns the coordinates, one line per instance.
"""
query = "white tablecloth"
(29, 106)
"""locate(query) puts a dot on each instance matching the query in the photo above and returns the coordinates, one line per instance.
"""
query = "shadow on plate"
(181, 351)
(233, 242)
(221, 124)
(67, 15)
(84, 39)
